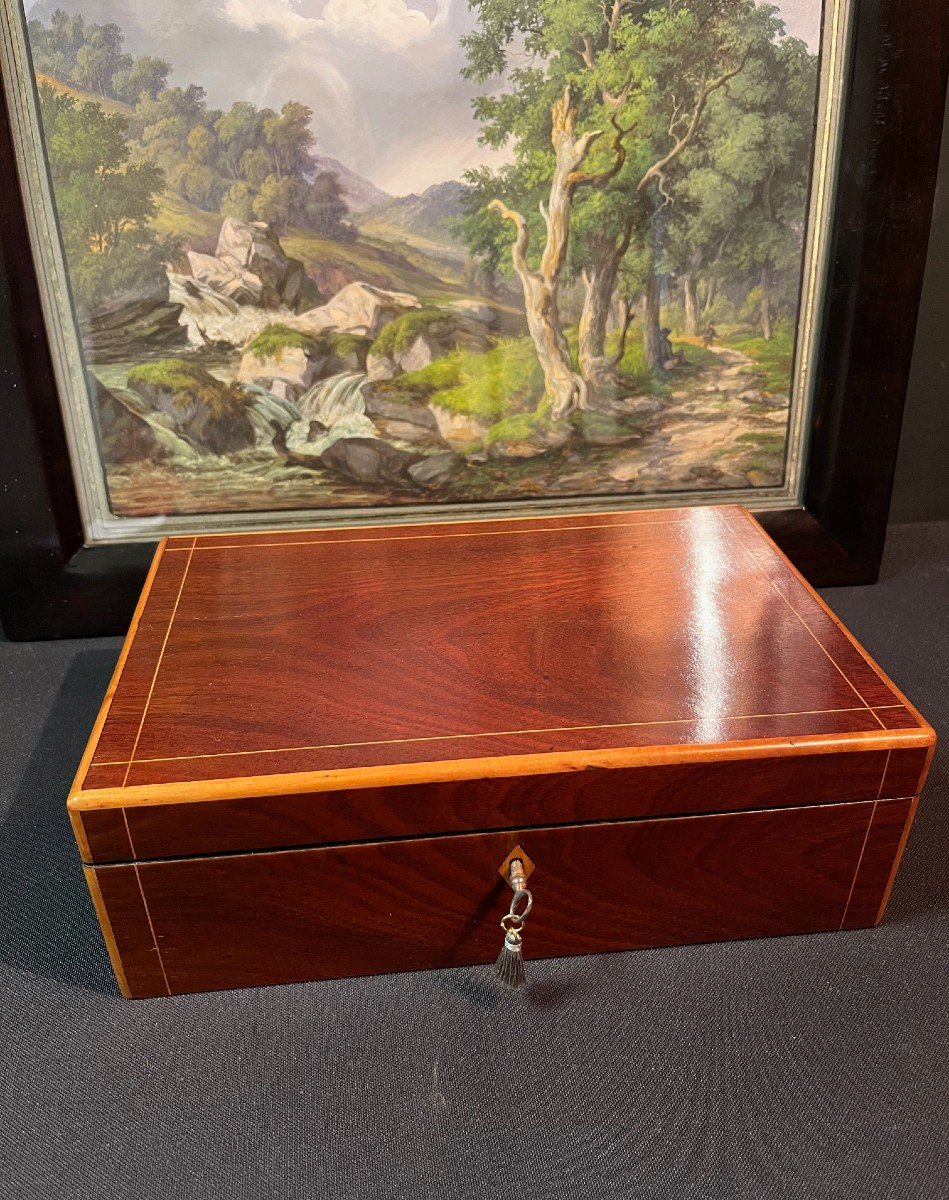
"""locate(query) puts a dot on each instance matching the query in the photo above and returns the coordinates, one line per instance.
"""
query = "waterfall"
(210, 317)
(339, 405)
(339, 398)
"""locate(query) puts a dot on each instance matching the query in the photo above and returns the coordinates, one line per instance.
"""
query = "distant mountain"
(358, 192)
(428, 215)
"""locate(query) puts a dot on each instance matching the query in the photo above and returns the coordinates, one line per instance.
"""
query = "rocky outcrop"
(117, 329)
(437, 470)
(288, 373)
(416, 340)
(459, 431)
(357, 308)
(229, 296)
(125, 434)
(212, 415)
(251, 251)
(370, 461)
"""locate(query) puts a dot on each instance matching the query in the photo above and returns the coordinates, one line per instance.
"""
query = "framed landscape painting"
(330, 261)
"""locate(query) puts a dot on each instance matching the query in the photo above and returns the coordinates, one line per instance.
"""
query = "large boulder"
(438, 469)
(253, 246)
(358, 308)
(460, 431)
(288, 373)
(370, 461)
(475, 310)
(226, 279)
(210, 414)
(113, 330)
(125, 435)
(416, 339)
(284, 361)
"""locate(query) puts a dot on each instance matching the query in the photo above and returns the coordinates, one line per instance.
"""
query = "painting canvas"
(323, 256)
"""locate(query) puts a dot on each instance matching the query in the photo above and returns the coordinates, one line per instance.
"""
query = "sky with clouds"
(382, 76)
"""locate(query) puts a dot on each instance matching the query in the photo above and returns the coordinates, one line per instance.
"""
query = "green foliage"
(774, 358)
(104, 201)
(280, 201)
(399, 334)
(90, 56)
(492, 385)
(238, 201)
(520, 427)
(273, 339)
(146, 77)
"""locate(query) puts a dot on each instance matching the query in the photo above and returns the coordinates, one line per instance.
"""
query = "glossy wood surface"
(352, 684)
(420, 904)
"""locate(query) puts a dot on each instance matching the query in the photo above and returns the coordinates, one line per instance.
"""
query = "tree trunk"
(766, 302)
(564, 389)
(709, 295)
(652, 339)
(599, 283)
(690, 298)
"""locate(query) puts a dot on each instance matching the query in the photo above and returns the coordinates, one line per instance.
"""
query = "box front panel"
(276, 917)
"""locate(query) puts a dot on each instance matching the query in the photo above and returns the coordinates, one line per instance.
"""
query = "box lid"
(322, 686)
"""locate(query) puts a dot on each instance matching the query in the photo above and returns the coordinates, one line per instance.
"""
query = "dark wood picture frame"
(54, 585)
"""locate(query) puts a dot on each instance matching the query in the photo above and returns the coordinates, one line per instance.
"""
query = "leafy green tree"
(636, 77)
(289, 137)
(255, 165)
(281, 202)
(103, 200)
(238, 201)
(240, 130)
(146, 77)
(325, 208)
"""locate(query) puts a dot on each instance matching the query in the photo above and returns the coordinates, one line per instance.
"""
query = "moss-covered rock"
(286, 361)
(415, 340)
(527, 435)
(211, 414)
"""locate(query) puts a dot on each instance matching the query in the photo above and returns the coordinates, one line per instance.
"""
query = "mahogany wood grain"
(244, 920)
(351, 684)
(150, 831)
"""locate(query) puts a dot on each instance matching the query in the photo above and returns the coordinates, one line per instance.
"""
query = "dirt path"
(718, 428)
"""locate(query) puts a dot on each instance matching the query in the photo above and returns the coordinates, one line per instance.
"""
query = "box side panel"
(286, 916)
(127, 929)
(886, 839)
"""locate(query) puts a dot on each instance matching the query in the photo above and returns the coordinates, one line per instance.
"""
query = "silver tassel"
(509, 967)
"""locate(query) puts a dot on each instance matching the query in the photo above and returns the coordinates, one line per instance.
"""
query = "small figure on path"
(710, 334)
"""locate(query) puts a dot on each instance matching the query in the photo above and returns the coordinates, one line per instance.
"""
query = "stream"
(333, 408)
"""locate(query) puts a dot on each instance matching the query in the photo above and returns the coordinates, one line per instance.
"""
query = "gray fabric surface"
(800, 1067)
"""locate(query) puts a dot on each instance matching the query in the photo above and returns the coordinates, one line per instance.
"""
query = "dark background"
(921, 490)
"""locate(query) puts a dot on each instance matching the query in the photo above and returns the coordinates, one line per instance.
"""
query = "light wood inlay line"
(446, 737)
(843, 675)
(419, 537)
(161, 655)
(151, 927)
(128, 832)
(856, 874)
(886, 767)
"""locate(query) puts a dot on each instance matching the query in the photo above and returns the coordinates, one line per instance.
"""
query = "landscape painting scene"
(346, 253)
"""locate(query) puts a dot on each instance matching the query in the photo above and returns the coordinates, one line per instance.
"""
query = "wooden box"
(319, 747)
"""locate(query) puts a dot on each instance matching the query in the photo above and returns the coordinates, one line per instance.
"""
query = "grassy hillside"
(107, 105)
(381, 265)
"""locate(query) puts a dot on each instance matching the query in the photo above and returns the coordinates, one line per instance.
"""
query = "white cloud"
(389, 24)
